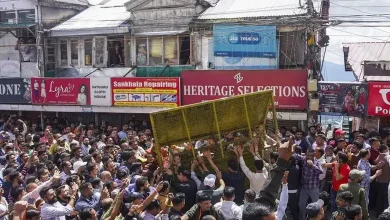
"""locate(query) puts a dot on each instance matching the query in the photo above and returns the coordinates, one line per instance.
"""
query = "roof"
(367, 51)
(98, 19)
(226, 9)
(74, 2)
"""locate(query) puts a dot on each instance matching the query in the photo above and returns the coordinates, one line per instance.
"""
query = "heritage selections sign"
(150, 92)
(289, 86)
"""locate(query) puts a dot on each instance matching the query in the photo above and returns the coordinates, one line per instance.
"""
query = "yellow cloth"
(53, 148)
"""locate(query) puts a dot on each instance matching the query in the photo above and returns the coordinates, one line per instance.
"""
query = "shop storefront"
(290, 95)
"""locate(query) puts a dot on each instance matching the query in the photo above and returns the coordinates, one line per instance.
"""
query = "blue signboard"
(245, 47)
(245, 41)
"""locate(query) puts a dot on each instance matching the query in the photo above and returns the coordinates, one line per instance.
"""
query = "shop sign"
(348, 99)
(289, 86)
(61, 91)
(379, 99)
(146, 92)
(15, 91)
(245, 47)
(377, 68)
(100, 91)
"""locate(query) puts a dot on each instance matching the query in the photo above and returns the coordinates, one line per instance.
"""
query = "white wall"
(8, 5)
(7, 47)
(54, 16)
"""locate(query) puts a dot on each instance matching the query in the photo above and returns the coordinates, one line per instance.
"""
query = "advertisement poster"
(150, 92)
(15, 91)
(379, 99)
(100, 91)
(204, 85)
(349, 99)
(61, 91)
(245, 47)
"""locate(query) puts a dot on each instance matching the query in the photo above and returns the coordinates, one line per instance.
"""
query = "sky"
(355, 10)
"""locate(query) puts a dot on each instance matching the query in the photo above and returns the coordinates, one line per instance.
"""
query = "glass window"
(99, 51)
(74, 52)
(184, 43)
(50, 54)
(142, 57)
(8, 17)
(170, 50)
(155, 51)
(116, 52)
(88, 52)
(26, 16)
(64, 53)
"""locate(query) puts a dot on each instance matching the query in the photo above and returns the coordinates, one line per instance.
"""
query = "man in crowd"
(119, 177)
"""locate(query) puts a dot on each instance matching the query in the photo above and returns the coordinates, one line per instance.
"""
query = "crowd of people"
(68, 171)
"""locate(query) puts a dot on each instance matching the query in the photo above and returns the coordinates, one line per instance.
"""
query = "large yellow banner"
(240, 115)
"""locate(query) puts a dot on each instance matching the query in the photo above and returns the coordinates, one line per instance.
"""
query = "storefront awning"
(76, 109)
(96, 19)
(161, 33)
(15, 26)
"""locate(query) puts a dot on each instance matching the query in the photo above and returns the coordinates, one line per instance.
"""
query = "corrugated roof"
(94, 17)
(367, 51)
(116, 3)
(226, 9)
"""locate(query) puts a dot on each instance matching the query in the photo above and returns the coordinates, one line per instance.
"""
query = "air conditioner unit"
(312, 85)
(314, 104)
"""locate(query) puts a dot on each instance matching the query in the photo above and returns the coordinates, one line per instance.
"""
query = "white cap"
(77, 165)
(209, 180)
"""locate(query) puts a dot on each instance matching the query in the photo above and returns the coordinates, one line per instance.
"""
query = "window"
(166, 50)
(142, 51)
(63, 53)
(116, 55)
(26, 16)
(50, 54)
(170, 50)
(74, 52)
(184, 43)
(155, 51)
(88, 44)
(100, 45)
(8, 17)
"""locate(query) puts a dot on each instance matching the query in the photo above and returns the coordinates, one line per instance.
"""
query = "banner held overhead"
(244, 113)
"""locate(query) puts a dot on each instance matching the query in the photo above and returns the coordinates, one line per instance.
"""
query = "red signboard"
(60, 91)
(289, 86)
(379, 98)
(151, 92)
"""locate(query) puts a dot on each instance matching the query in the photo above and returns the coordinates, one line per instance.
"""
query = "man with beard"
(85, 146)
(16, 179)
(311, 137)
(359, 197)
(88, 198)
(54, 210)
(63, 197)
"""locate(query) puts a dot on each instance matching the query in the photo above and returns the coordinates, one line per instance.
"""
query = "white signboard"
(100, 91)
(9, 68)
